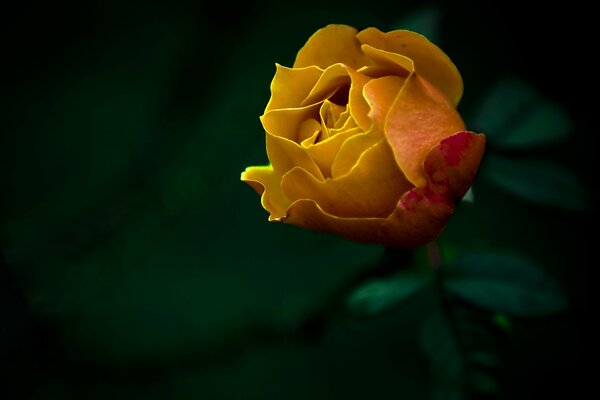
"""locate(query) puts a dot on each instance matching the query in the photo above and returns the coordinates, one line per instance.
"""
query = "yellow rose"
(364, 139)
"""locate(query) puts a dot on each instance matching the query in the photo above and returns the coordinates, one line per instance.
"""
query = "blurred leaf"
(445, 363)
(504, 283)
(380, 294)
(514, 115)
(539, 182)
(483, 358)
(424, 20)
(502, 321)
(89, 137)
(545, 123)
(482, 382)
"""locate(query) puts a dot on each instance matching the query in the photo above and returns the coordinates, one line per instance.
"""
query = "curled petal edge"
(266, 182)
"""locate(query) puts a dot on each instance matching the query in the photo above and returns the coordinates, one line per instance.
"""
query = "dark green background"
(135, 264)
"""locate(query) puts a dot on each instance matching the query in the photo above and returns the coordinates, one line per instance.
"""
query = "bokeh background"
(134, 263)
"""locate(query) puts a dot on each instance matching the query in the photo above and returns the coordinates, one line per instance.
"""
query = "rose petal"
(358, 106)
(344, 122)
(378, 71)
(285, 155)
(329, 82)
(308, 132)
(286, 122)
(422, 213)
(291, 85)
(351, 150)
(371, 189)
(332, 44)
(329, 113)
(430, 61)
(452, 166)
(324, 152)
(416, 221)
(306, 213)
(380, 94)
(420, 117)
(266, 182)
(398, 63)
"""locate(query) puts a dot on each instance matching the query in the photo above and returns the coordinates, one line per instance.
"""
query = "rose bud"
(364, 139)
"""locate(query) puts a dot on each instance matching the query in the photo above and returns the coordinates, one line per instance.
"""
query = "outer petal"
(266, 182)
(371, 189)
(452, 166)
(307, 214)
(420, 117)
(291, 85)
(417, 220)
(399, 64)
(422, 213)
(332, 44)
(430, 61)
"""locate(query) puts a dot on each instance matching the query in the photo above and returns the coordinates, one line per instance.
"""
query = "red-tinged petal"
(420, 117)
(330, 45)
(430, 61)
(306, 213)
(452, 166)
(380, 94)
(422, 213)
(266, 182)
(417, 220)
(285, 155)
(290, 86)
(371, 189)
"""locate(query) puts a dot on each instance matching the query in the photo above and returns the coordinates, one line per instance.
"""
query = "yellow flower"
(364, 139)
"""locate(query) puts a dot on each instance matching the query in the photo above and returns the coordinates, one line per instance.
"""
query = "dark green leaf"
(425, 20)
(545, 123)
(482, 382)
(502, 321)
(446, 367)
(514, 115)
(483, 358)
(540, 182)
(504, 282)
(378, 295)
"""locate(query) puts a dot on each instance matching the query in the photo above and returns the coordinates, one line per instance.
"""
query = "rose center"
(333, 113)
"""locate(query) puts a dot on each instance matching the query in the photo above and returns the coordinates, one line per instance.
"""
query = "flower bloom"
(364, 139)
